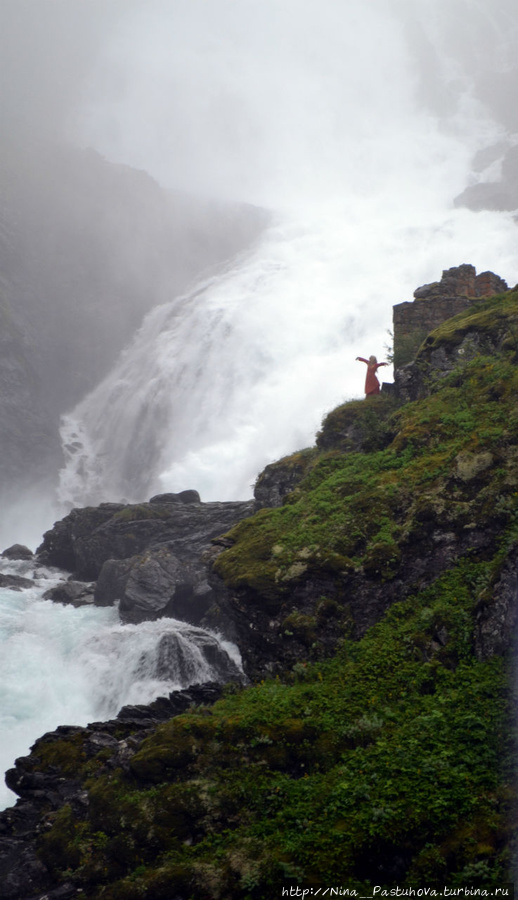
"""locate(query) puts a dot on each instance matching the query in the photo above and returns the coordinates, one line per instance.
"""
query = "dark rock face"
(280, 478)
(77, 593)
(29, 442)
(46, 788)
(434, 303)
(14, 582)
(174, 663)
(153, 557)
(18, 551)
(497, 614)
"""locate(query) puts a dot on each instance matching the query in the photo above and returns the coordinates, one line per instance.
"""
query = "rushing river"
(65, 666)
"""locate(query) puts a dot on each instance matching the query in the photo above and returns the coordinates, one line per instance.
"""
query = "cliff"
(458, 289)
(373, 594)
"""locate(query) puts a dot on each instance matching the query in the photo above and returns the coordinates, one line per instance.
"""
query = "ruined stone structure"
(458, 288)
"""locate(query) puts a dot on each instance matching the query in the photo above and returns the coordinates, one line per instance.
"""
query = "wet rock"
(189, 496)
(15, 582)
(174, 661)
(154, 558)
(18, 551)
(76, 593)
(85, 539)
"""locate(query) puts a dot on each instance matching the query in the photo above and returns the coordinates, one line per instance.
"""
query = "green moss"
(397, 745)
(66, 754)
(358, 425)
(496, 318)
(407, 347)
(390, 762)
(138, 512)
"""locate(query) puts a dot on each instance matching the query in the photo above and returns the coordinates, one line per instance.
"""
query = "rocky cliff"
(372, 590)
(458, 289)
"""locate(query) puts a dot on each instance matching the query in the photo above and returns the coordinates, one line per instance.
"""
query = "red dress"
(372, 385)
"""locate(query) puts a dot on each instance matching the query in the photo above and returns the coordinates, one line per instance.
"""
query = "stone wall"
(458, 288)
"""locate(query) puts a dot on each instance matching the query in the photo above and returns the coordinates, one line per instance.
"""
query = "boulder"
(154, 558)
(174, 661)
(15, 582)
(18, 551)
(85, 539)
(280, 478)
(76, 593)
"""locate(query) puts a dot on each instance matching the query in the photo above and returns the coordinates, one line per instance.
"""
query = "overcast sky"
(228, 92)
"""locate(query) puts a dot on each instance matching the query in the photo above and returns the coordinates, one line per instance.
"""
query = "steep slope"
(377, 747)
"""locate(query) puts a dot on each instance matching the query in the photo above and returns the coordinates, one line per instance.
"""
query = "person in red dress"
(372, 385)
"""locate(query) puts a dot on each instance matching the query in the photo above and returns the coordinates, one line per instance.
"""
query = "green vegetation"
(392, 761)
(406, 347)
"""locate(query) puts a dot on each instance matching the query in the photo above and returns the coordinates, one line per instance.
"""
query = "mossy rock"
(143, 511)
(175, 746)
(358, 425)
(58, 848)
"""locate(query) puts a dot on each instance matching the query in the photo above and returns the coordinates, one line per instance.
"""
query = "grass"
(392, 761)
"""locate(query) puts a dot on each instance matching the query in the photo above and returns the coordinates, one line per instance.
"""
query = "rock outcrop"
(487, 330)
(434, 303)
(154, 558)
(374, 601)
(46, 789)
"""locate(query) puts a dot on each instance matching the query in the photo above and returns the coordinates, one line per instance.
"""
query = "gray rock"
(183, 497)
(154, 558)
(18, 551)
(76, 593)
(15, 582)
(497, 613)
(176, 664)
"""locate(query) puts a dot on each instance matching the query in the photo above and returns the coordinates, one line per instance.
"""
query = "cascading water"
(107, 665)
(330, 130)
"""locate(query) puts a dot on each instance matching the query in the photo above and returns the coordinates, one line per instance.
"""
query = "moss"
(58, 848)
(174, 747)
(66, 754)
(495, 318)
(390, 762)
(358, 425)
(302, 626)
(137, 512)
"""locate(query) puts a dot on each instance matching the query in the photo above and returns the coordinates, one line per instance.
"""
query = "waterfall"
(219, 383)
(358, 142)
(61, 665)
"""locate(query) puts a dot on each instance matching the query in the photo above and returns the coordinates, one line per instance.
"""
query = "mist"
(271, 102)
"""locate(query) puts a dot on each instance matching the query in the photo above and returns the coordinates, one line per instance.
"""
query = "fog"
(271, 101)
(256, 99)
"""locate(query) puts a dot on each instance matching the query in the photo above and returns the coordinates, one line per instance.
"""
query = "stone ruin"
(458, 288)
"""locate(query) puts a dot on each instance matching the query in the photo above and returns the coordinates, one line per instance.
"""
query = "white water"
(317, 112)
(65, 666)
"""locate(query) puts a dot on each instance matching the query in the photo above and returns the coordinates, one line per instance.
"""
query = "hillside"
(376, 611)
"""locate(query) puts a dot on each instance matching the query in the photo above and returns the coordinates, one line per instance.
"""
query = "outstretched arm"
(361, 359)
